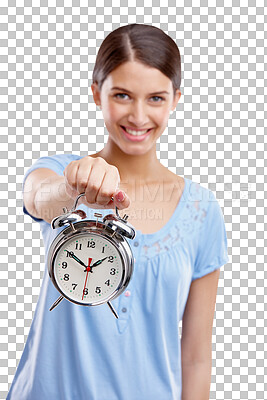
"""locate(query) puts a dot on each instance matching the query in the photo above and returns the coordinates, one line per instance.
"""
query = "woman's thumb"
(121, 198)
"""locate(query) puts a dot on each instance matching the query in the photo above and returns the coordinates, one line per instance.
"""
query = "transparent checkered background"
(216, 138)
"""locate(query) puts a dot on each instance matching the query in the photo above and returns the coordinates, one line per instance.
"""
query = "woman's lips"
(133, 138)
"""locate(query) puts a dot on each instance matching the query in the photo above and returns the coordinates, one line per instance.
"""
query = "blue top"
(77, 352)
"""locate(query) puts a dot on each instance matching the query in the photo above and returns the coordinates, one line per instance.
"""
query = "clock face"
(88, 268)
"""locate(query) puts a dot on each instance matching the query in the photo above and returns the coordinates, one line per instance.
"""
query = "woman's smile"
(135, 131)
(134, 135)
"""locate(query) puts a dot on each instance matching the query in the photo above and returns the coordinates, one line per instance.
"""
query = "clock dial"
(88, 268)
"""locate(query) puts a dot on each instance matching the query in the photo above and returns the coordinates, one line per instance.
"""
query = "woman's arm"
(197, 337)
(45, 194)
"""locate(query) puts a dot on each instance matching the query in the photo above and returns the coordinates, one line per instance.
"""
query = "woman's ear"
(176, 98)
(96, 93)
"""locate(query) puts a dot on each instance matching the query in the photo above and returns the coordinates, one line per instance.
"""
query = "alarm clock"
(90, 262)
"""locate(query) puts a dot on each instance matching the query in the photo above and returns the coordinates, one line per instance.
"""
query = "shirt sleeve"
(212, 245)
(57, 163)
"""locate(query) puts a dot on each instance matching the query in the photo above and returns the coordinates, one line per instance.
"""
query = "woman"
(77, 352)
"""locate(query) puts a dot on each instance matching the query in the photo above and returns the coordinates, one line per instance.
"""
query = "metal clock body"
(90, 262)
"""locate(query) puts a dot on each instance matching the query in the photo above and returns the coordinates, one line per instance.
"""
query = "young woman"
(84, 353)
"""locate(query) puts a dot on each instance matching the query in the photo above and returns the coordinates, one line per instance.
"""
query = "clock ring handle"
(83, 194)
(76, 201)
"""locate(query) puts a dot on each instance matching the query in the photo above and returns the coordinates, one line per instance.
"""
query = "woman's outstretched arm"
(196, 342)
(45, 194)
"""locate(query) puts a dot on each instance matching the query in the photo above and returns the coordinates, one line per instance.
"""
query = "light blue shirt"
(84, 353)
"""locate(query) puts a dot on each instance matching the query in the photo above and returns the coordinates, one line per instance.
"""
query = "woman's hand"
(98, 179)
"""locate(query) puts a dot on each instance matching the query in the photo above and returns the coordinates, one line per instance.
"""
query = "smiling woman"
(132, 116)
(84, 353)
(136, 90)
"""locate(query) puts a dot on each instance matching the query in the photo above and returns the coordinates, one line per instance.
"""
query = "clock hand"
(72, 255)
(98, 262)
(87, 269)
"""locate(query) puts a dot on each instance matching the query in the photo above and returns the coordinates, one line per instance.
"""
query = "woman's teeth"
(135, 133)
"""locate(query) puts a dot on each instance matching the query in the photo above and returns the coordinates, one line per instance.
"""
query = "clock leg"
(112, 309)
(56, 303)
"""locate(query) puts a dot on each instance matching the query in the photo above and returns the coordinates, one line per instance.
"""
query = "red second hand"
(87, 269)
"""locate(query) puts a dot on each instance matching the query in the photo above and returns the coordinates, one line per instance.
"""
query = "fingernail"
(120, 196)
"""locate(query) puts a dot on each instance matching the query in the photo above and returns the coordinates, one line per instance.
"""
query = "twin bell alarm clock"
(90, 262)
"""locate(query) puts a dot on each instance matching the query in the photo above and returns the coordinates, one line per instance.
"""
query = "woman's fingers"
(70, 174)
(108, 186)
(82, 176)
(98, 180)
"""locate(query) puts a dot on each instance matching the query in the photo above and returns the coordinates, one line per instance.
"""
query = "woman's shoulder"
(64, 157)
(57, 161)
(195, 196)
(194, 190)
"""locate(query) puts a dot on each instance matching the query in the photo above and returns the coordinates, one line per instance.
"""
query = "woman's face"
(136, 102)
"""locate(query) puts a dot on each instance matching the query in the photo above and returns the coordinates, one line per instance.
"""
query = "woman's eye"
(157, 99)
(124, 96)
(121, 95)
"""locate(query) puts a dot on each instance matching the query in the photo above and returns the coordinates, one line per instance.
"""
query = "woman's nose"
(138, 114)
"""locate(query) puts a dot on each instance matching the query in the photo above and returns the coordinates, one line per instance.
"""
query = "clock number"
(111, 259)
(112, 271)
(64, 265)
(74, 285)
(91, 244)
(107, 282)
(85, 291)
(98, 289)
(103, 249)
(78, 246)
(66, 277)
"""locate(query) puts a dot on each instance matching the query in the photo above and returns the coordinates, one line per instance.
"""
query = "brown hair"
(138, 42)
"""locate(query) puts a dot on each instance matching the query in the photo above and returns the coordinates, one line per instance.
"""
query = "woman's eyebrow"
(128, 91)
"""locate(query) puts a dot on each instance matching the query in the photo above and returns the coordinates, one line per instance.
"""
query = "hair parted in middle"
(146, 44)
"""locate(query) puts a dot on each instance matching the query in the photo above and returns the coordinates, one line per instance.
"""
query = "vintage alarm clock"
(90, 262)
